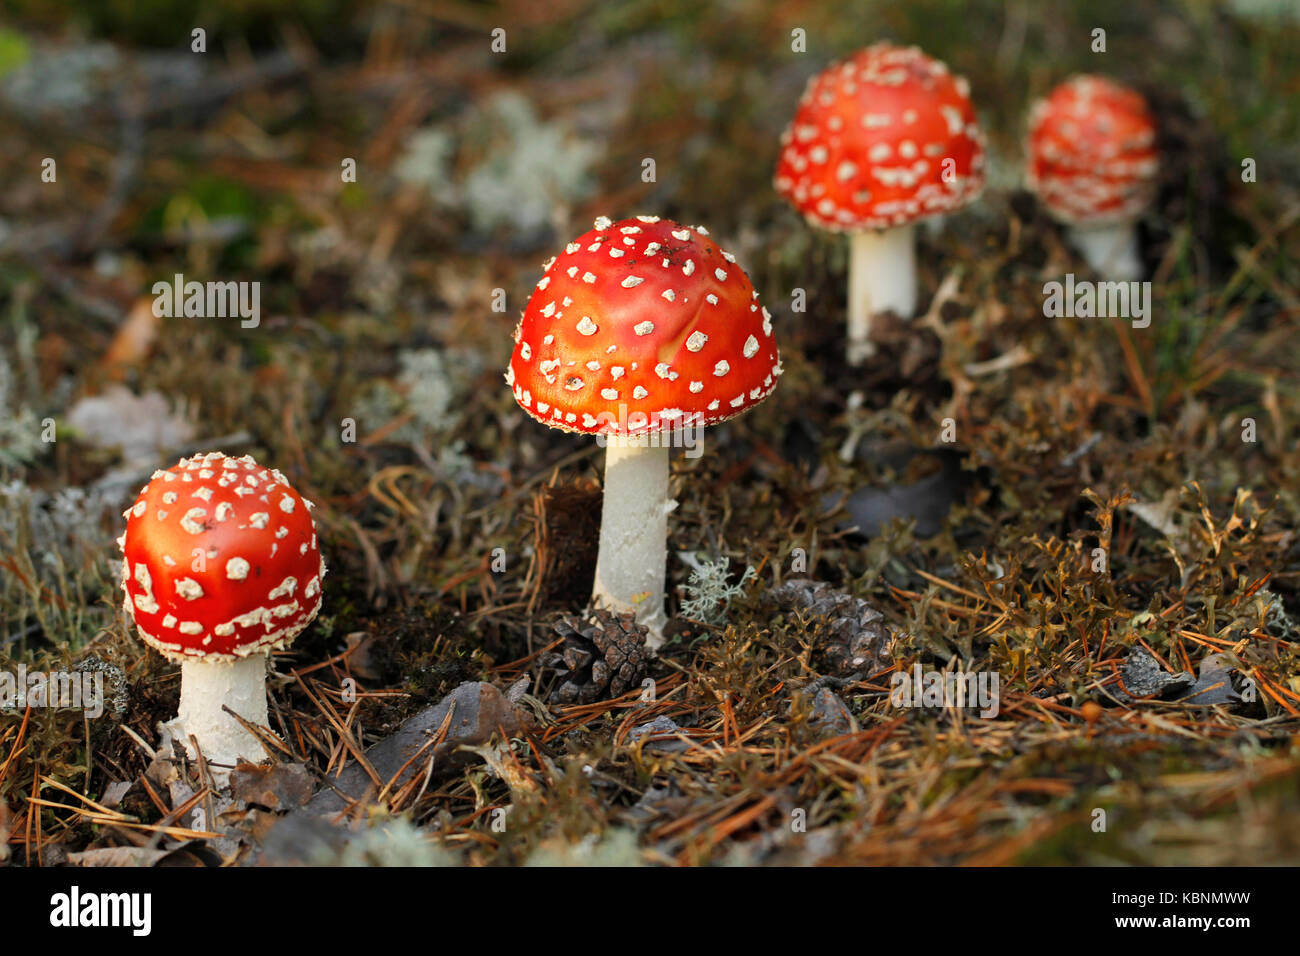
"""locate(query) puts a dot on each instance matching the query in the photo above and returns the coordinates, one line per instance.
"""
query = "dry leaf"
(278, 787)
(117, 856)
(131, 344)
(143, 426)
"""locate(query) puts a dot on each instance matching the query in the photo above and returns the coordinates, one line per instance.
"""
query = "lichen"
(20, 428)
(389, 841)
(522, 170)
(708, 590)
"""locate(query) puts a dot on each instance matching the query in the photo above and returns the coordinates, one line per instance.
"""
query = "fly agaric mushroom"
(220, 568)
(639, 329)
(880, 141)
(1092, 163)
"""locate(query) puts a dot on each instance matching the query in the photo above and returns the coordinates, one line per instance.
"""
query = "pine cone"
(603, 656)
(859, 640)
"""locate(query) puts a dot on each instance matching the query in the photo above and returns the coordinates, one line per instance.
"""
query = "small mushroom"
(639, 330)
(879, 141)
(1092, 163)
(220, 567)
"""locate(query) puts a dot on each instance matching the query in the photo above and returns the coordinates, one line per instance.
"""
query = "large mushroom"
(641, 330)
(220, 567)
(1093, 162)
(879, 141)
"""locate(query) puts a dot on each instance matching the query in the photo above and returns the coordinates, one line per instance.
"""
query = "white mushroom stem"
(1111, 249)
(206, 686)
(882, 278)
(633, 556)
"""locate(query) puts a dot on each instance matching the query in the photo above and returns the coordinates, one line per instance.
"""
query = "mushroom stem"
(205, 687)
(633, 555)
(1111, 250)
(882, 278)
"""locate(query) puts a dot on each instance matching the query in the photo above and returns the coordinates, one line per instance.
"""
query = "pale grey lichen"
(62, 550)
(61, 78)
(391, 842)
(70, 77)
(427, 162)
(523, 171)
(20, 428)
(1276, 618)
(708, 590)
(431, 388)
(615, 847)
(61, 527)
(536, 168)
(427, 380)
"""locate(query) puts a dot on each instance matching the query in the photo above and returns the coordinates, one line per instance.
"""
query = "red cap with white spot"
(881, 139)
(1092, 152)
(220, 560)
(640, 326)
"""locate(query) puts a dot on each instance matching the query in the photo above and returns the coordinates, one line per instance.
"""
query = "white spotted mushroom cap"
(220, 559)
(1092, 152)
(883, 138)
(638, 326)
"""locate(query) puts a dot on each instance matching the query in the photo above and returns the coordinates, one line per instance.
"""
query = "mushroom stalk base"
(1111, 250)
(633, 556)
(205, 687)
(882, 278)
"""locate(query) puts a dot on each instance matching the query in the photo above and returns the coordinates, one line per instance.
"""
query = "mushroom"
(1093, 162)
(638, 331)
(220, 567)
(879, 141)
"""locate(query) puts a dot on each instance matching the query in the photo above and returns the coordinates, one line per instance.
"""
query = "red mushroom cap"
(1092, 151)
(883, 138)
(639, 326)
(220, 559)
